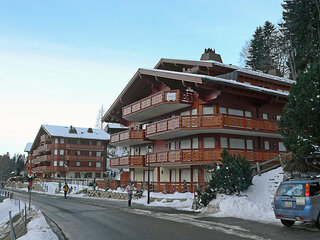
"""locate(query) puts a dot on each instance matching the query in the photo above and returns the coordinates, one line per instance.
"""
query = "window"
(98, 154)
(224, 142)
(207, 110)
(90, 153)
(78, 141)
(247, 114)
(62, 140)
(90, 164)
(185, 175)
(208, 142)
(249, 144)
(222, 110)
(77, 164)
(132, 151)
(282, 147)
(278, 117)
(195, 143)
(61, 163)
(146, 175)
(55, 152)
(236, 143)
(67, 152)
(78, 153)
(265, 116)
(98, 143)
(143, 151)
(185, 144)
(236, 112)
(61, 152)
(185, 113)
(172, 145)
(98, 164)
(55, 163)
(56, 140)
(266, 145)
(194, 111)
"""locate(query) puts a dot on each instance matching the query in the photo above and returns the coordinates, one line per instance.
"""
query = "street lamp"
(149, 149)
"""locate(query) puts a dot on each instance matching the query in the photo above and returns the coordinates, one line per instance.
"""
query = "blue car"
(298, 200)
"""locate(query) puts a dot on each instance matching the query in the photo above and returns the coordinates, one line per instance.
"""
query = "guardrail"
(259, 165)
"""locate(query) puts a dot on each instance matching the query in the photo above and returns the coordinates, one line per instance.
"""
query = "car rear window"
(291, 189)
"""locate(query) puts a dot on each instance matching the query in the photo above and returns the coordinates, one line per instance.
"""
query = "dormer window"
(72, 130)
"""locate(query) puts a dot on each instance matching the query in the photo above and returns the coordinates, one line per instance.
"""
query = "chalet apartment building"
(72, 152)
(187, 112)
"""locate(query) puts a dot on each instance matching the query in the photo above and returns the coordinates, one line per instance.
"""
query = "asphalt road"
(80, 218)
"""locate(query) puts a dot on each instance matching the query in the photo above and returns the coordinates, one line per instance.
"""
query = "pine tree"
(255, 50)
(302, 25)
(99, 123)
(300, 123)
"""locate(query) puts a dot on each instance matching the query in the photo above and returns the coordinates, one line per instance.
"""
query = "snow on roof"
(28, 147)
(229, 82)
(264, 75)
(62, 131)
(220, 64)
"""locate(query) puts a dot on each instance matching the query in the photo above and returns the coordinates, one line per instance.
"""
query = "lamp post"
(65, 174)
(149, 149)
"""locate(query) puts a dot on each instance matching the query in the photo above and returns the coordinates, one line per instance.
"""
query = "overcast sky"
(61, 60)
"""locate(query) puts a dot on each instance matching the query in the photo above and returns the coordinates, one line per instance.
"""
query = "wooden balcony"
(157, 104)
(41, 169)
(44, 158)
(82, 157)
(45, 138)
(216, 123)
(129, 161)
(60, 169)
(204, 156)
(44, 148)
(85, 169)
(83, 147)
(129, 138)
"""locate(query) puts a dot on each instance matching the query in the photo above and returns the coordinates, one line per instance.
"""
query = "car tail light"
(307, 190)
(279, 216)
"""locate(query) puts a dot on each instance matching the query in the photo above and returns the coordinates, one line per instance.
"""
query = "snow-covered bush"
(231, 177)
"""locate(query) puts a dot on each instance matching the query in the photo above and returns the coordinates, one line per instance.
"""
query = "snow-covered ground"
(37, 228)
(254, 204)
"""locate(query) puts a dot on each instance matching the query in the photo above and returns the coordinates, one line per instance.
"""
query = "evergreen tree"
(302, 27)
(300, 123)
(233, 176)
(255, 50)
(20, 164)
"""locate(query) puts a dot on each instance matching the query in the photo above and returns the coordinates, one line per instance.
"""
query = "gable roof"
(62, 131)
(28, 147)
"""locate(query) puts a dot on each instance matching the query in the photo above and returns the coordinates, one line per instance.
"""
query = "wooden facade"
(212, 106)
(59, 156)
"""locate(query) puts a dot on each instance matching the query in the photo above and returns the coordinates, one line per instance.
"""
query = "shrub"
(231, 177)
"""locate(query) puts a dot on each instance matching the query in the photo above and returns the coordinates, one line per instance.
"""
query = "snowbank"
(255, 204)
(38, 228)
(6, 206)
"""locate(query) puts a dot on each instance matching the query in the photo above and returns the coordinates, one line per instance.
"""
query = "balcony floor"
(155, 111)
(129, 143)
(188, 132)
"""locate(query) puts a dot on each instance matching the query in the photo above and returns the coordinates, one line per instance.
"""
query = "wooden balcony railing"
(44, 158)
(42, 169)
(131, 161)
(82, 157)
(44, 138)
(44, 148)
(163, 97)
(214, 121)
(83, 147)
(204, 156)
(129, 135)
(88, 169)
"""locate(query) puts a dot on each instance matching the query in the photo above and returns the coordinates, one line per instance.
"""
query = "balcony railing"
(129, 137)
(45, 138)
(44, 148)
(42, 169)
(129, 161)
(160, 98)
(88, 169)
(82, 157)
(83, 147)
(204, 156)
(44, 158)
(205, 122)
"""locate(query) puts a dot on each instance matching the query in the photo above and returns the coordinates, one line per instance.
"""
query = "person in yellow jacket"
(65, 189)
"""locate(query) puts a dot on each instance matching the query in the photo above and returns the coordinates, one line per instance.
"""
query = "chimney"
(210, 54)
(72, 130)
(90, 130)
(275, 72)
